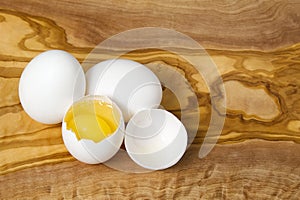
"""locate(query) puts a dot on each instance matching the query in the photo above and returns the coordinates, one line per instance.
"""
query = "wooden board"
(256, 46)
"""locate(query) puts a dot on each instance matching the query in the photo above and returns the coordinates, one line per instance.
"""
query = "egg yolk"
(92, 119)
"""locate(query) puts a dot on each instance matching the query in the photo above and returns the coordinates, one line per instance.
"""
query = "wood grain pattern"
(256, 46)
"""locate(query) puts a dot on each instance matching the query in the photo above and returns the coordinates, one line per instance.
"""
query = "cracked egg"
(92, 129)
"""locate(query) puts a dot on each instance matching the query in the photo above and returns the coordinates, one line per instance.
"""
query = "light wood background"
(256, 46)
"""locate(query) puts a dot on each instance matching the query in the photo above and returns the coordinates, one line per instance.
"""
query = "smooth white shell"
(49, 84)
(155, 139)
(131, 85)
(88, 151)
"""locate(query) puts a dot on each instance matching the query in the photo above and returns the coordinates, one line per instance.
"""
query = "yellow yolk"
(92, 119)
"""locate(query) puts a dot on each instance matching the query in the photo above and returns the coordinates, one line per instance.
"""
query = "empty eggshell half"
(130, 84)
(93, 129)
(155, 139)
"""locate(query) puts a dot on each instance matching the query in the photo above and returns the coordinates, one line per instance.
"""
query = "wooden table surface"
(256, 46)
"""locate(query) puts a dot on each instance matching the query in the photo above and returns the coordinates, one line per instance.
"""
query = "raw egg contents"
(92, 119)
(93, 129)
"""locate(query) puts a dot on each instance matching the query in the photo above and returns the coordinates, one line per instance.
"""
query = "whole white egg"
(49, 84)
(130, 84)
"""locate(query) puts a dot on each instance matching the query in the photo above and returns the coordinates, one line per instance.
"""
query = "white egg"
(49, 84)
(155, 139)
(93, 129)
(130, 84)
